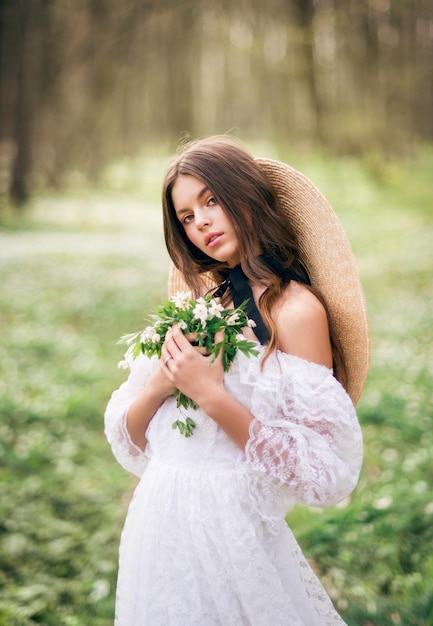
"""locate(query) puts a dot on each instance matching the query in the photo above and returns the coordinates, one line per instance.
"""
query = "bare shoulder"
(302, 325)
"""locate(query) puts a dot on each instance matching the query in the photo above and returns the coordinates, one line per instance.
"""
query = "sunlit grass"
(82, 268)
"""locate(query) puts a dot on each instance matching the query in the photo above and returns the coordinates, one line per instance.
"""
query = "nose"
(202, 218)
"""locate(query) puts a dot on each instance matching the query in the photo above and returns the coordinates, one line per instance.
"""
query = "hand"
(161, 384)
(188, 367)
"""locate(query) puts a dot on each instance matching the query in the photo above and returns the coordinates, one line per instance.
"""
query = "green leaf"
(185, 428)
(167, 314)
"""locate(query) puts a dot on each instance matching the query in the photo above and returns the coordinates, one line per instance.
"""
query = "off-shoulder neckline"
(277, 352)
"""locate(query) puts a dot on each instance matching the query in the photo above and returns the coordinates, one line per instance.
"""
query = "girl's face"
(205, 222)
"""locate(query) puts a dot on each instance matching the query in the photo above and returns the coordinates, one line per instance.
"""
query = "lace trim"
(127, 453)
(305, 442)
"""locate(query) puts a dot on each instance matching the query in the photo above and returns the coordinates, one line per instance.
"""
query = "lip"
(212, 239)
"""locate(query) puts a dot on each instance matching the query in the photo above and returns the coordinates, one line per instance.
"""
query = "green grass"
(77, 271)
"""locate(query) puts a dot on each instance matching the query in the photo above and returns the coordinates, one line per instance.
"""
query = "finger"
(179, 340)
(194, 338)
(166, 360)
(219, 336)
(165, 353)
(172, 341)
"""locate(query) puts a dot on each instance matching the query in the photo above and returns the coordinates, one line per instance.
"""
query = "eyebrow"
(200, 195)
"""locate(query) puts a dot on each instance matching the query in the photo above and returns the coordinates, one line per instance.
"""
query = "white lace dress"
(205, 541)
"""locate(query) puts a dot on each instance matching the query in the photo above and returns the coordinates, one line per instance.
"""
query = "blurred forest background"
(95, 96)
(83, 82)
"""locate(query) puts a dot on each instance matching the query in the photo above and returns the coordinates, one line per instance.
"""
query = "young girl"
(205, 542)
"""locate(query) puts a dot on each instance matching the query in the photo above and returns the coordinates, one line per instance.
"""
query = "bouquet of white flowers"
(204, 317)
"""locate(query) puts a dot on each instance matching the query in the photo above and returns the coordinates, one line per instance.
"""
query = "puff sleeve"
(130, 456)
(305, 442)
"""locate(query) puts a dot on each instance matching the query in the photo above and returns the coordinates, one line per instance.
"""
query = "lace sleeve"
(305, 442)
(130, 456)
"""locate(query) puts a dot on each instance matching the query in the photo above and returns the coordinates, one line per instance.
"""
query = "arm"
(145, 405)
(302, 330)
(130, 409)
(191, 372)
(302, 326)
(306, 434)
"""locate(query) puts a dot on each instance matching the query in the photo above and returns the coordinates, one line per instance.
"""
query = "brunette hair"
(247, 197)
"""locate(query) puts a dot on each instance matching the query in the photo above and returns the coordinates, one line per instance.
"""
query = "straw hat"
(326, 253)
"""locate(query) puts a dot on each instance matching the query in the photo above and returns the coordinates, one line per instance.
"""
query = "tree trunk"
(305, 11)
(26, 16)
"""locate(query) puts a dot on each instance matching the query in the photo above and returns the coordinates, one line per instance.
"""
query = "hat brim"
(327, 255)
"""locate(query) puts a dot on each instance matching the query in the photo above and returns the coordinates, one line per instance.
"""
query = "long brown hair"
(247, 197)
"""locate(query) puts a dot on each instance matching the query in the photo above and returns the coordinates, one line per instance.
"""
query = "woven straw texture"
(327, 255)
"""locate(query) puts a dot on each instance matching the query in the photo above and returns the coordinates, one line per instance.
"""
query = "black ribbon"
(286, 274)
(240, 291)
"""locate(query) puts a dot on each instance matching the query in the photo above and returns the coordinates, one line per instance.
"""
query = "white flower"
(215, 308)
(147, 334)
(200, 311)
(123, 365)
(231, 321)
(382, 503)
(100, 590)
(252, 324)
(156, 337)
(181, 299)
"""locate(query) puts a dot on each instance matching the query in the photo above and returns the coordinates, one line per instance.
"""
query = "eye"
(212, 201)
(187, 218)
